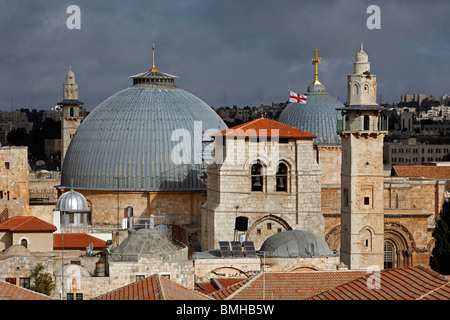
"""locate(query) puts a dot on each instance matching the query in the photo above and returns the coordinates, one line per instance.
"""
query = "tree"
(440, 256)
(42, 281)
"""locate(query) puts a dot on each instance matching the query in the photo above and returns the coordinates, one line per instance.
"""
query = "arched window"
(281, 177)
(366, 122)
(388, 255)
(355, 89)
(24, 243)
(366, 89)
(257, 177)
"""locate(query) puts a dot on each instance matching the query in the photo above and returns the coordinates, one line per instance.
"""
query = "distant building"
(406, 151)
(413, 98)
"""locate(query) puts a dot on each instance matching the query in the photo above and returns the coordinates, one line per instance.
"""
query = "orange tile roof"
(431, 172)
(263, 127)
(77, 241)
(10, 291)
(411, 283)
(226, 292)
(155, 287)
(26, 224)
(291, 285)
(211, 287)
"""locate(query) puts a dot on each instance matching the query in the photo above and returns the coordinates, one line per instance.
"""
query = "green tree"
(42, 281)
(440, 256)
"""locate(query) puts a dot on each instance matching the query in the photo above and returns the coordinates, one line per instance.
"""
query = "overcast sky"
(223, 51)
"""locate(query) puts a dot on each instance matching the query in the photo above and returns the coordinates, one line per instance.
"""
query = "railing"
(358, 125)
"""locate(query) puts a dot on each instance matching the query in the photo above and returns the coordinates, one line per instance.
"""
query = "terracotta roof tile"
(290, 285)
(26, 224)
(431, 172)
(155, 287)
(394, 284)
(263, 127)
(210, 287)
(10, 291)
(77, 241)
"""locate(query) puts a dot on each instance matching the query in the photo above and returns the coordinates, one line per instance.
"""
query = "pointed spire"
(153, 69)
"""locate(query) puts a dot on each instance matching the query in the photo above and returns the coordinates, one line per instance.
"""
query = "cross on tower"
(316, 61)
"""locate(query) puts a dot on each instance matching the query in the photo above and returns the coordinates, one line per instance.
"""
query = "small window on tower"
(7, 165)
(366, 201)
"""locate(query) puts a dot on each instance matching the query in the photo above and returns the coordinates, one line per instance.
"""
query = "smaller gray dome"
(295, 243)
(72, 202)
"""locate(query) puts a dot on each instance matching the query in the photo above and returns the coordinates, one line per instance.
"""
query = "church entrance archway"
(398, 246)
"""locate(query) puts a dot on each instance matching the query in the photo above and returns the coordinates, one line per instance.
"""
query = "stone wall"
(14, 180)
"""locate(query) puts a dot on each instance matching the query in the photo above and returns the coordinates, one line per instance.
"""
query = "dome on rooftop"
(130, 140)
(318, 115)
(144, 241)
(72, 202)
(295, 243)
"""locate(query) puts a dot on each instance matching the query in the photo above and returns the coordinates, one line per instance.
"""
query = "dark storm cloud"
(233, 52)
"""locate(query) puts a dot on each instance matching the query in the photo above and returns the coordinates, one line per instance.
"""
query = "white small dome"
(362, 56)
(72, 202)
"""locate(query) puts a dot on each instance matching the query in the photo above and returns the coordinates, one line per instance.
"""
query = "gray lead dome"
(318, 116)
(295, 243)
(72, 202)
(126, 142)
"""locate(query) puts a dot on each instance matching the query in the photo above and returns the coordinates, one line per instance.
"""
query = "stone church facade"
(269, 175)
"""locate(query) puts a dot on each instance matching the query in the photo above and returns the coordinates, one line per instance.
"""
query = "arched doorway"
(398, 245)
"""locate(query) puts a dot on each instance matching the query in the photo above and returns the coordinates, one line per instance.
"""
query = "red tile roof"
(26, 224)
(226, 292)
(77, 241)
(155, 287)
(431, 172)
(263, 127)
(216, 285)
(10, 291)
(291, 285)
(410, 283)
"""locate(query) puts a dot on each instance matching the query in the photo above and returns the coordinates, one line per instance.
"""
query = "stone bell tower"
(362, 129)
(71, 112)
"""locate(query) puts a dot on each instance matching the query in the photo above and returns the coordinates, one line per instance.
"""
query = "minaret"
(361, 85)
(362, 129)
(71, 112)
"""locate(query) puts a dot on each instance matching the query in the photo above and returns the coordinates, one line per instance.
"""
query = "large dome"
(318, 116)
(126, 142)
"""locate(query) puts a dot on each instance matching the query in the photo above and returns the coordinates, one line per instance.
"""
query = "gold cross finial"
(316, 61)
(153, 69)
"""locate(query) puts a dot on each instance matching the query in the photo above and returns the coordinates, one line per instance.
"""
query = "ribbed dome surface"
(125, 142)
(295, 243)
(318, 116)
(72, 202)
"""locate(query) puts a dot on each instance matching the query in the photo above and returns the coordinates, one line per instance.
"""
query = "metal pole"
(62, 256)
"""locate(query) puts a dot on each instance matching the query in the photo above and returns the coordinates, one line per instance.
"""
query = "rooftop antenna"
(264, 277)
